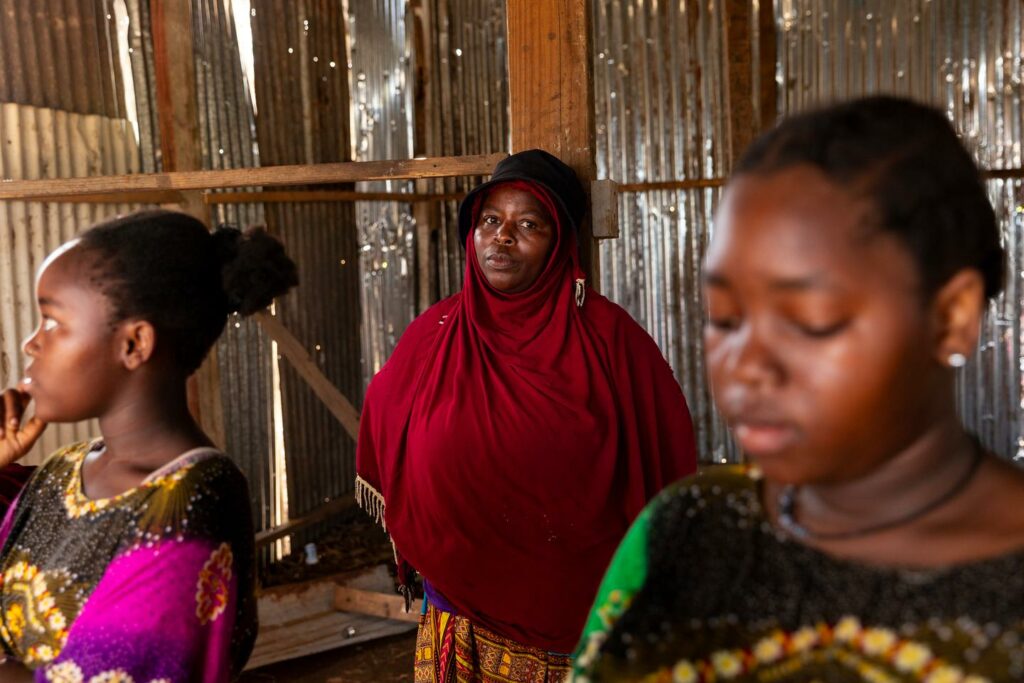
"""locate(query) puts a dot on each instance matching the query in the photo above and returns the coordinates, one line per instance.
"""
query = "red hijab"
(510, 440)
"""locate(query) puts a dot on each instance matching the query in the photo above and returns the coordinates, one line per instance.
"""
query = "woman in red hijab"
(514, 434)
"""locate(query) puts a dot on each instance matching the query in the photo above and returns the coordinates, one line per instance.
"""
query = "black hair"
(906, 159)
(166, 268)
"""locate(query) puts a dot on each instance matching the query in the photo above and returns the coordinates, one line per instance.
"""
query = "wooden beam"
(154, 197)
(695, 184)
(739, 81)
(292, 349)
(551, 88)
(372, 603)
(301, 196)
(299, 174)
(319, 514)
(300, 619)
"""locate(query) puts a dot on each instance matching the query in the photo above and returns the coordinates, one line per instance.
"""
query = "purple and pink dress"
(155, 584)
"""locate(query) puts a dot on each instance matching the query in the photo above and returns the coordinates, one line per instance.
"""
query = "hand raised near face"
(17, 435)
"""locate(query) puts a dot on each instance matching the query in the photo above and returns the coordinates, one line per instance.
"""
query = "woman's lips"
(764, 438)
(500, 262)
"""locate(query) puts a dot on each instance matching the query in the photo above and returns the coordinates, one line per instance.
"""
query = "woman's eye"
(822, 331)
(723, 324)
(528, 225)
(49, 324)
(490, 220)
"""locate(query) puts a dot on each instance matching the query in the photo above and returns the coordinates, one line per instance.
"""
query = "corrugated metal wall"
(227, 130)
(658, 92)
(382, 129)
(462, 54)
(302, 117)
(965, 58)
(62, 114)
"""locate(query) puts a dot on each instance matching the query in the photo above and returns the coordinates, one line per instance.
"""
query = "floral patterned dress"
(704, 588)
(155, 584)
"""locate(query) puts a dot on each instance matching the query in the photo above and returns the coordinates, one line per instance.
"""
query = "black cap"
(539, 167)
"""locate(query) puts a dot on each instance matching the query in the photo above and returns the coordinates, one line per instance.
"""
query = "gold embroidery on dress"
(39, 608)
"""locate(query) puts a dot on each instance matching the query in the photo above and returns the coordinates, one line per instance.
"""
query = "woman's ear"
(958, 308)
(137, 341)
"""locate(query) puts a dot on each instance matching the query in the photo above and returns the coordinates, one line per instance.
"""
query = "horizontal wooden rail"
(654, 186)
(292, 349)
(296, 196)
(310, 174)
(153, 188)
(1003, 173)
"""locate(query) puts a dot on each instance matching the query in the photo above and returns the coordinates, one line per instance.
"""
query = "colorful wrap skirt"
(451, 649)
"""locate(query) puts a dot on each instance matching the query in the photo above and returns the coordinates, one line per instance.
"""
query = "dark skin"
(82, 365)
(830, 364)
(513, 238)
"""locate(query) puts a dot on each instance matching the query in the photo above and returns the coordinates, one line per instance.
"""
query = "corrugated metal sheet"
(658, 89)
(965, 58)
(44, 143)
(227, 131)
(302, 117)
(382, 129)
(464, 61)
(61, 55)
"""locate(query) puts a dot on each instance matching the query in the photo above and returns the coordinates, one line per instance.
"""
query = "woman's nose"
(504, 233)
(752, 360)
(30, 346)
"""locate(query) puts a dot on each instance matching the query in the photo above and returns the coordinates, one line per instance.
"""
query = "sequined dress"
(704, 588)
(152, 585)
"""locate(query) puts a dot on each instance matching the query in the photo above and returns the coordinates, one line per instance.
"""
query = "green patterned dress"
(705, 588)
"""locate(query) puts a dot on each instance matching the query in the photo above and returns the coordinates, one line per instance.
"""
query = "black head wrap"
(537, 166)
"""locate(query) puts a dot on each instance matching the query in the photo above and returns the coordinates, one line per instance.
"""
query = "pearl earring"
(957, 360)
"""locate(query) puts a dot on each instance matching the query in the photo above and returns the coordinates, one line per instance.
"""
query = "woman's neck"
(150, 428)
(919, 473)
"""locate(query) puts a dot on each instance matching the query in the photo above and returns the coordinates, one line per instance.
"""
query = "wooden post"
(551, 87)
(180, 149)
(767, 53)
(739, 81)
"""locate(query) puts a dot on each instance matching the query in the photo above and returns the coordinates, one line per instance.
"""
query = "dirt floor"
(388, 660)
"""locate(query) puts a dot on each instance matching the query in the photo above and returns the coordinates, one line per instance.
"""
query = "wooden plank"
(300, 619)
(551, 89)
(695, 184)
(604, 207)
(298, 174)
(151, 197)
(319, 514)
(739, 81)
(373, 603)
(301, 196)
(292, 349)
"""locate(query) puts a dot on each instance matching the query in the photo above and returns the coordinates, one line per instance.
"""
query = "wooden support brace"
(321, 513)
(297, 196)
(292, 349)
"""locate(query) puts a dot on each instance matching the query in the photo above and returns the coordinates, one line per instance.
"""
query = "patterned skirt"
(450, 649)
